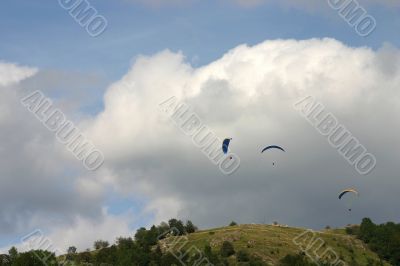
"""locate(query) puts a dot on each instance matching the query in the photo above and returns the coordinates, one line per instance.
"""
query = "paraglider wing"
(347, 191)
(272, 147)
(225, 145)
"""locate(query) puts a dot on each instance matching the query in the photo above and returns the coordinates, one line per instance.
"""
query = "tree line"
(383, 239)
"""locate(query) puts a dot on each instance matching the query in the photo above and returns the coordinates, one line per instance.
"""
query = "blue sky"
(43, 35)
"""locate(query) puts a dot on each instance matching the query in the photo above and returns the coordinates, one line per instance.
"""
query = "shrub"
(294, 260)
(242, 256)
(227, 249)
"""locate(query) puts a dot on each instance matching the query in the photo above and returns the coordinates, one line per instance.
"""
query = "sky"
(240, 66)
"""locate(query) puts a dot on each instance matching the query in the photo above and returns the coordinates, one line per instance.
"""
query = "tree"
(190, 227)
(367, 230)
(99, 244)
(71, 250)
(232, 223)
(4, 260)
(35, 257)
(227, 249)
(84, 257)
(13, 253)
(157, 255)
(384, 239)
(177, 227)
(125, 243)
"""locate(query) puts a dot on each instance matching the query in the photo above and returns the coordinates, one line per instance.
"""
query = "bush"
(232, 223)
(212, 258)
(295, 260)
(227, 249)
(352, 229)
(242, 256)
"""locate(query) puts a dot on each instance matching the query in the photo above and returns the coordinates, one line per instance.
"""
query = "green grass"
(272, 243)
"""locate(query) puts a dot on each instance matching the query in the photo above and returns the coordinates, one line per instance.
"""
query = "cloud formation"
(248, 95)
(42, 186)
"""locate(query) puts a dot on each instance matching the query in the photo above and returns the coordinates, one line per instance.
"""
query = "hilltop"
(272, 243)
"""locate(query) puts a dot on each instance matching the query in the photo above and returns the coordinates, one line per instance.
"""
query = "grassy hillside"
(272, 243)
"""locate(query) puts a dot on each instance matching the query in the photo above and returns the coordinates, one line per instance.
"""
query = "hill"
(272, 243)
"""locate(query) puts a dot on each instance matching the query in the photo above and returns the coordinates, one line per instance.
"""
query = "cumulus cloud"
(84, 232)
(12, 73)
(42, 185)
(249, 94)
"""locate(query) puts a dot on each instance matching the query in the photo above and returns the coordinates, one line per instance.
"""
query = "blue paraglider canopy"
(225, 145)
(272, 147)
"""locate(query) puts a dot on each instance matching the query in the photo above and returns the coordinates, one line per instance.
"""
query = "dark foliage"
(295, 260)
(384, 239)
(242, 256)
(142, 250)
(227, 249)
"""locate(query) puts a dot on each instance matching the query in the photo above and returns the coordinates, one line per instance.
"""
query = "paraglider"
(272, 147)
(225, 146)
(349, 190)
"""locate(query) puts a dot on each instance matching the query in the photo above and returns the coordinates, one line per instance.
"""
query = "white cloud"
(248, 95)
(11, 73)
(42, 185)
(83, 232)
